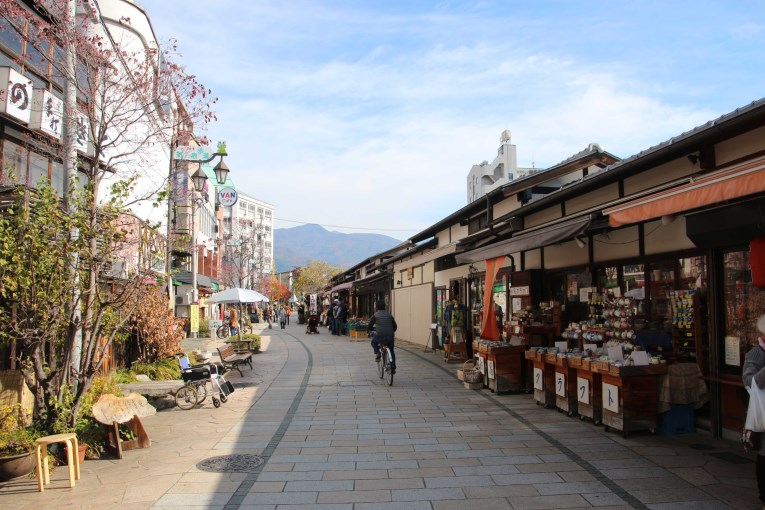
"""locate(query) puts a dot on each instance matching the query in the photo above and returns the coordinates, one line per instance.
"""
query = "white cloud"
(372, 117)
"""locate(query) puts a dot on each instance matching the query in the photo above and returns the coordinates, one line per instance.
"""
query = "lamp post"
(198, 180)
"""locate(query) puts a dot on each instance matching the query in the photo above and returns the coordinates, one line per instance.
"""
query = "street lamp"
(198, 180)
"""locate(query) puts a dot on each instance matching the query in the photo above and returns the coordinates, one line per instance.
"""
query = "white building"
(248, 242)
(487, 176)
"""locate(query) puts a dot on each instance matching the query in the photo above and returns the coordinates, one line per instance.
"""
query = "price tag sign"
(583, 390)
(560, 384)
(538, 379)
(610, 397)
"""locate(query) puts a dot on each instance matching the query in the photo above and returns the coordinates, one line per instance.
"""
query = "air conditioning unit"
(183, 300)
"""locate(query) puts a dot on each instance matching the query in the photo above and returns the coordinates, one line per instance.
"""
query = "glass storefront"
(743, 304)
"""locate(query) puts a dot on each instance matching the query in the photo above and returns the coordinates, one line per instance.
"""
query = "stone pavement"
(331, 435)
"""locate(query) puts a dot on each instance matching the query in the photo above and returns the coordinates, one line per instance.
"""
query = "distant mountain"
(299, 245)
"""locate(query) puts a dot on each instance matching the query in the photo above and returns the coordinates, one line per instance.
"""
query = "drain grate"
(236, 463)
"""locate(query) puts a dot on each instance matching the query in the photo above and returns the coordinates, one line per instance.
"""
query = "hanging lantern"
(757, 261)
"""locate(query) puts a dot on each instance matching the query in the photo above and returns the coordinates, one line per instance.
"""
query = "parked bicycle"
(224, 330)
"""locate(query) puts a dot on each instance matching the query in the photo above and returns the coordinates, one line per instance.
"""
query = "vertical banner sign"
(313, 305)
(490, 364)
(194, 318)
(482, 365)
(610, 397)
(583, 390)
(538, 381)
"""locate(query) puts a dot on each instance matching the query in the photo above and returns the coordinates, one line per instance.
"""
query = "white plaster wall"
(507, 206)
(740, 146)
(666, 238)
(566, 254)
(618, 244)
(668, 172)
(542, 217)
(593, 199)
(412, 308)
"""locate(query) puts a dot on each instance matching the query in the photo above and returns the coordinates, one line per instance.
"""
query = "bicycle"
(385, 364)
(224, 330)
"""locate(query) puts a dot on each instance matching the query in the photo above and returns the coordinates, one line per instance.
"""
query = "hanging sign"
(520, 291)
(228, 197)
(189, 153)
(15, 94)
(47, 113)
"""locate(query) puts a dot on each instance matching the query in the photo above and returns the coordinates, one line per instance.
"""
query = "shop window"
(662, 284)
(84, 91)
(9, 37)
(608, 280)
(634, 280)
(15, 162)
(499, 295)
(57, 177)
(475, 302)
(38, 170)
(57, 75)
(743, 304)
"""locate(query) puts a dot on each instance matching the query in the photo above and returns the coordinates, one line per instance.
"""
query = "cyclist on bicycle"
(385, 325)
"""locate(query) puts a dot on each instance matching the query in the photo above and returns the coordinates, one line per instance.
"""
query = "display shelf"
(688, 323)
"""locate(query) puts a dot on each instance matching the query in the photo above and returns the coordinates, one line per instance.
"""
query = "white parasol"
(237, 296)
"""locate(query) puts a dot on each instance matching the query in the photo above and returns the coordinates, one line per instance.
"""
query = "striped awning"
(735, 182)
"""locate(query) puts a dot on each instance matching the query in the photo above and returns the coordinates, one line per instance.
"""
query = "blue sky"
(366, 116)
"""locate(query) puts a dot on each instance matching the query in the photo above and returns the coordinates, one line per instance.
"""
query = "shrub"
(255, 340)
(204, 327)
(16, 436)
(167, 369)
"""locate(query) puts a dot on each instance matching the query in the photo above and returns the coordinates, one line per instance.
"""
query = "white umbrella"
(237, 296)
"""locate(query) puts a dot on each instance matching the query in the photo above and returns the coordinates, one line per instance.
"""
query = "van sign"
(227, 197)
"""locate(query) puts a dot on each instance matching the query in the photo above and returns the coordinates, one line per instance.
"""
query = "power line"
(351, 228)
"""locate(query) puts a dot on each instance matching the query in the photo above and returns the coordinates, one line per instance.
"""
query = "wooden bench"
(231, 358)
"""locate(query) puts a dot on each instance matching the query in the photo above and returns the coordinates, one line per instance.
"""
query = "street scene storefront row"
(658, 253)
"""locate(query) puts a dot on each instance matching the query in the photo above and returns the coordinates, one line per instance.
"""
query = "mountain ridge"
(297, 246)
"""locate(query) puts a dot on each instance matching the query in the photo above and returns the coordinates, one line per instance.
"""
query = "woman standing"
(754, 377)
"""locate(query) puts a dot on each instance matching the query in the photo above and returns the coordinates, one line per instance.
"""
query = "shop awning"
(203, 281)
(735, 182)
(342, 286)
(523, 241)
(419, 260)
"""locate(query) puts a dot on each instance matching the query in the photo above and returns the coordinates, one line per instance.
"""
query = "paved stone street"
(333, 435)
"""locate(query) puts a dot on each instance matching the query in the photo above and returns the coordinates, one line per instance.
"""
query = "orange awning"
(735, 182)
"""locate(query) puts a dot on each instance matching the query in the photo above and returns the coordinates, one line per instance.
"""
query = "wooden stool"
(72, 458)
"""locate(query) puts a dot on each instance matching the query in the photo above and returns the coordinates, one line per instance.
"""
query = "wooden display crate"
(631, 398)
(508, 373)
(550, 357)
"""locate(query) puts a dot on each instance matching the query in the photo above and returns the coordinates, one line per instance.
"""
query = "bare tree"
(243, 256)
(133, 103)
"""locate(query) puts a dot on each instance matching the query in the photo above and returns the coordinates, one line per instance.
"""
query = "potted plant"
(17, 443)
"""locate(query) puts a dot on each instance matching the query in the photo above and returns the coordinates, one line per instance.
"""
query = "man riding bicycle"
(385, 326)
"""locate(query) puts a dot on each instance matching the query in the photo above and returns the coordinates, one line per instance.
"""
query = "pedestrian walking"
(282, 317)
(753, 377)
